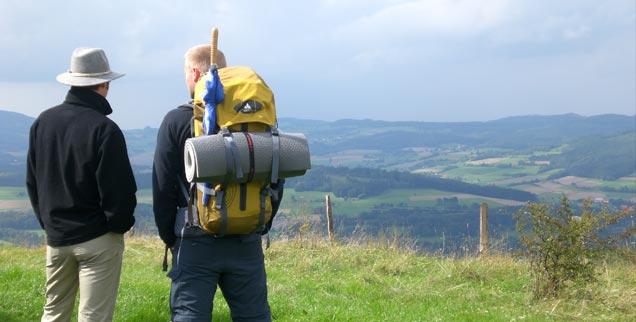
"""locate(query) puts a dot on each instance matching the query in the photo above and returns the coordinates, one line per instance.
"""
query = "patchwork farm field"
(525, 171)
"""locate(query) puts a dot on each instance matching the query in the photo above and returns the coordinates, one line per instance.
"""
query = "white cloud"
(457, 56)
(576, 32)
(424, 18)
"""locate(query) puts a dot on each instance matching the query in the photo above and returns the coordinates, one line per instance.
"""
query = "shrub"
(564, 249)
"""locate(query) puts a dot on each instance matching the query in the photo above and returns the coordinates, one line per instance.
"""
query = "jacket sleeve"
(165, 172)
(31, 183)
(116, 183)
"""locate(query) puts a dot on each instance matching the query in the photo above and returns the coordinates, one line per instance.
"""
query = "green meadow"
(310, 279)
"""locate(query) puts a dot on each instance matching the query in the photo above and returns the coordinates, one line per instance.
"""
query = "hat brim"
(67, 78)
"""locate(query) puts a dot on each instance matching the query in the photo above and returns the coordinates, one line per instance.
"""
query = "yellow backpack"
(245, 205)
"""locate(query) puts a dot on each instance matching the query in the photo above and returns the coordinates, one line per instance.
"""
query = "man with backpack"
(82, 190)
(201, 261)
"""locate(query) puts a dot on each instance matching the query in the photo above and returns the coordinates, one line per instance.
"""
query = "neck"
(102, 89)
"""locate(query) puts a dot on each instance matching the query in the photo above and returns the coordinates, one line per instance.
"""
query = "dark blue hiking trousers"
(235, 263)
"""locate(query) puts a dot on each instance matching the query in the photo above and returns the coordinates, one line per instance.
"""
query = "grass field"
(309, 280)
(485, 174)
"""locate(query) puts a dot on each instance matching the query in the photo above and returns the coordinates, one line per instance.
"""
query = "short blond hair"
(199, 58)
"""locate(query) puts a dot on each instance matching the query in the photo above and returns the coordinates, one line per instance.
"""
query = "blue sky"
(428, 60)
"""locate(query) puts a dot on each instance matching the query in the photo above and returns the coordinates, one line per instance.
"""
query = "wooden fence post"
(483, 229)
(329, 218)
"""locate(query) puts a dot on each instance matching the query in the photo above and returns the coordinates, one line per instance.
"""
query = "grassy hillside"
(599, 157)
(353, 281)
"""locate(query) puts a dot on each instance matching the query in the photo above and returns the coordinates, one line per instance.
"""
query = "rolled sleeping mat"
(216, 158)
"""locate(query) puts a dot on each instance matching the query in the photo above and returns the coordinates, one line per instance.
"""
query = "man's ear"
(196, 73)
(102, 89)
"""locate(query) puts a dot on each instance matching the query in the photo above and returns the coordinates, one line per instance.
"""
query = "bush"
(565, 250)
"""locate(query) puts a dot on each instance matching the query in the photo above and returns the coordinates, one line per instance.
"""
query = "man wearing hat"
(82, 191)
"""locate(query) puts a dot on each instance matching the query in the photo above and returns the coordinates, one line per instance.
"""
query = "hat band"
(89, 74)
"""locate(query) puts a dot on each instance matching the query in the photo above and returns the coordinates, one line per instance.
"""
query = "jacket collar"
(189, 104)
(88, 98)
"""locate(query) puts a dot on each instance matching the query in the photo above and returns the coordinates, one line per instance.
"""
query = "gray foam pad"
(208, 160)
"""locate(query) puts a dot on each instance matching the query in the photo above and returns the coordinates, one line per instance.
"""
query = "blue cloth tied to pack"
(212, 96)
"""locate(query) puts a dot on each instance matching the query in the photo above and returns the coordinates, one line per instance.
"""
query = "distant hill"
(512, 132)
(14, 131)
(612, 138)
(520, 132)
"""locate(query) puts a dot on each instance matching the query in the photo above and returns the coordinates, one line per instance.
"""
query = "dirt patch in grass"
(485, 161)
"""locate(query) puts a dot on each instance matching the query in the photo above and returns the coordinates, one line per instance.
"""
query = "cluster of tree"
(366, 183)
(447, 201)
(23, 238)
(20, 228)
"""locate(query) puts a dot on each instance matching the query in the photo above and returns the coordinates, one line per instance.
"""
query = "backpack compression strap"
(232, 158)
(275, 153)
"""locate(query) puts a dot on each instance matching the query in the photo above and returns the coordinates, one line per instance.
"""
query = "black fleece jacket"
(168, 170)
(79, 177)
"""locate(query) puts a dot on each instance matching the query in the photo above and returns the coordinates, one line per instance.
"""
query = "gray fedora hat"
(89, 66)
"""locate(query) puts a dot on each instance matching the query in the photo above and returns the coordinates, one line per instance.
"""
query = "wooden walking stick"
(214, 47)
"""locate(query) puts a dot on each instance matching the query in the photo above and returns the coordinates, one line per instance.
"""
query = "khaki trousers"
(94, 267)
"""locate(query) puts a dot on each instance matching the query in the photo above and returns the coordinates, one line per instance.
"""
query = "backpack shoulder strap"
(189, 197)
